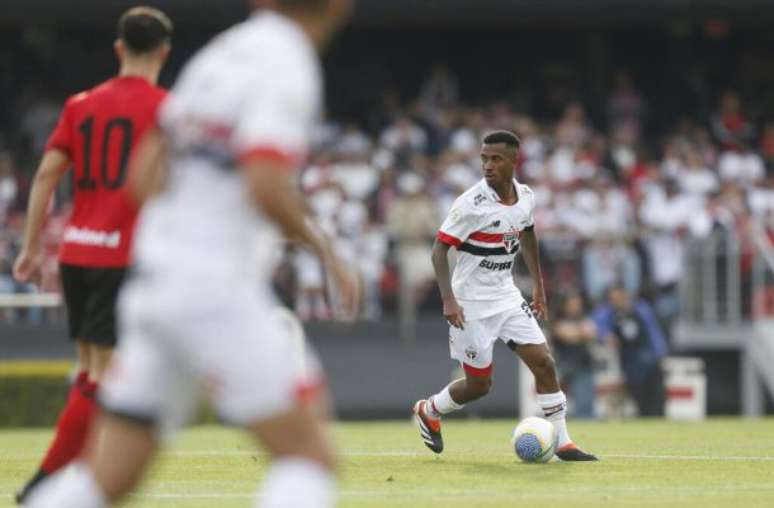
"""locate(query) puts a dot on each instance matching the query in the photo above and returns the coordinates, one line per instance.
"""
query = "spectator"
(352, 141)
(412, 223)
(629, 325)
(573, 333)
(729, 124)
(466, 139)
(38, 120)
(761, 199)
(440, 89)
(767, 146)
(32, 315)
(625, 107)
(741, 166)
(372, 254)
(693, 176)
(403, 138)
(669, 216)
(572, 129)
(609, 261)
(8, 184)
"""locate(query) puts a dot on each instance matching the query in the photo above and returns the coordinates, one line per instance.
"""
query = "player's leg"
(302, 471)
(140, 393)
(69, 435)
(472, 347)
(523, 335)
(262, 377)
(100, 479)
(132, 439)
(92, 292)
(99, 360)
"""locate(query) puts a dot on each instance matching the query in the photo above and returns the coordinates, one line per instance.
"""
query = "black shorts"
(91, 295)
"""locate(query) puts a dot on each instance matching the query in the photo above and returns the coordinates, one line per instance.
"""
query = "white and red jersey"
(486, 234)
(253, 92)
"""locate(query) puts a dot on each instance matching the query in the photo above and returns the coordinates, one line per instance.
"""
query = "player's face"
(619, 299)
(497, 163)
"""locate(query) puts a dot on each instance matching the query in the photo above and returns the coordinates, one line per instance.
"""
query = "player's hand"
(347, 288)
(454, 313)
(26, 268)
(539, 306)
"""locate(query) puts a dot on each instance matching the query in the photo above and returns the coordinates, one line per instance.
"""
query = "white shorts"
(226, 342)
(473, 346)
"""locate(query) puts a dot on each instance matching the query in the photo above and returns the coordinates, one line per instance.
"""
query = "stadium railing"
(714, 293)
(24, 300)
(758, 349)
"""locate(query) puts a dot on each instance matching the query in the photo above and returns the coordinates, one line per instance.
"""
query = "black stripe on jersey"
(485, 251)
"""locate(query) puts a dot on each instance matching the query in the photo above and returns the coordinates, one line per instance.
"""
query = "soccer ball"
(534, 439)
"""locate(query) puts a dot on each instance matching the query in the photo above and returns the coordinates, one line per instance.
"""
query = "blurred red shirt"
(98, 130)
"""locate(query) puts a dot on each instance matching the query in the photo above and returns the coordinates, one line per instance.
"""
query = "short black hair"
(144, 29)
(506, 137)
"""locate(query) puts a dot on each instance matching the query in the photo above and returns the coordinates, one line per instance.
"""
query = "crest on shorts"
(471, 352)
(510, 240)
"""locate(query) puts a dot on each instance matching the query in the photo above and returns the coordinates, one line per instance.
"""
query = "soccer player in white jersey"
(197, 313)
(488, 225)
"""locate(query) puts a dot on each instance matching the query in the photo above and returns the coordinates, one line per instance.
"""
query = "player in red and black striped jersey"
(95, 136)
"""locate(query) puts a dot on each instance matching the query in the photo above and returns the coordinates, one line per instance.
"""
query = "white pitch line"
(403, 453)
(355, 453)
(419, 493)
(210, 453)
(686, 457)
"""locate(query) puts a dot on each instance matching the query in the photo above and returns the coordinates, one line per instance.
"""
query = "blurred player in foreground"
(488, 224)
(96, 133)
(197, 312)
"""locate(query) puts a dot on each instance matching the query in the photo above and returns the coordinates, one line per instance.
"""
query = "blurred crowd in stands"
(615, 202)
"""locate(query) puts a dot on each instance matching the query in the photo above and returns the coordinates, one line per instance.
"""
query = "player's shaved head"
(144, 29)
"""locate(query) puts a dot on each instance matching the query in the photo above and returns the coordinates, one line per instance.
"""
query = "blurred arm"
(452, 311)
(54, 163)
(531, 254)
(147, 170)
(440, 258)
(273, 191)
(51, 168)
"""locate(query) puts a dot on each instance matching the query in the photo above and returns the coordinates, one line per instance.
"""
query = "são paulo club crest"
(511, 240)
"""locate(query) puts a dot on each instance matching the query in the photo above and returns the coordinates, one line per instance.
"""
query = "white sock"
(298, 483)
(442, 403)
(72, 487)
(554, 406)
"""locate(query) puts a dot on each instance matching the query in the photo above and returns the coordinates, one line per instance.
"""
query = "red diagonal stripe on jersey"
(271, 155)
(449, 239)
(480, 236)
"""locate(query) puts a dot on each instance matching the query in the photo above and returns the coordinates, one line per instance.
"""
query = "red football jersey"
(98, 129)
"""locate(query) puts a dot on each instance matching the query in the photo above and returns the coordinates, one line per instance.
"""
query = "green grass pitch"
(724, 462)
